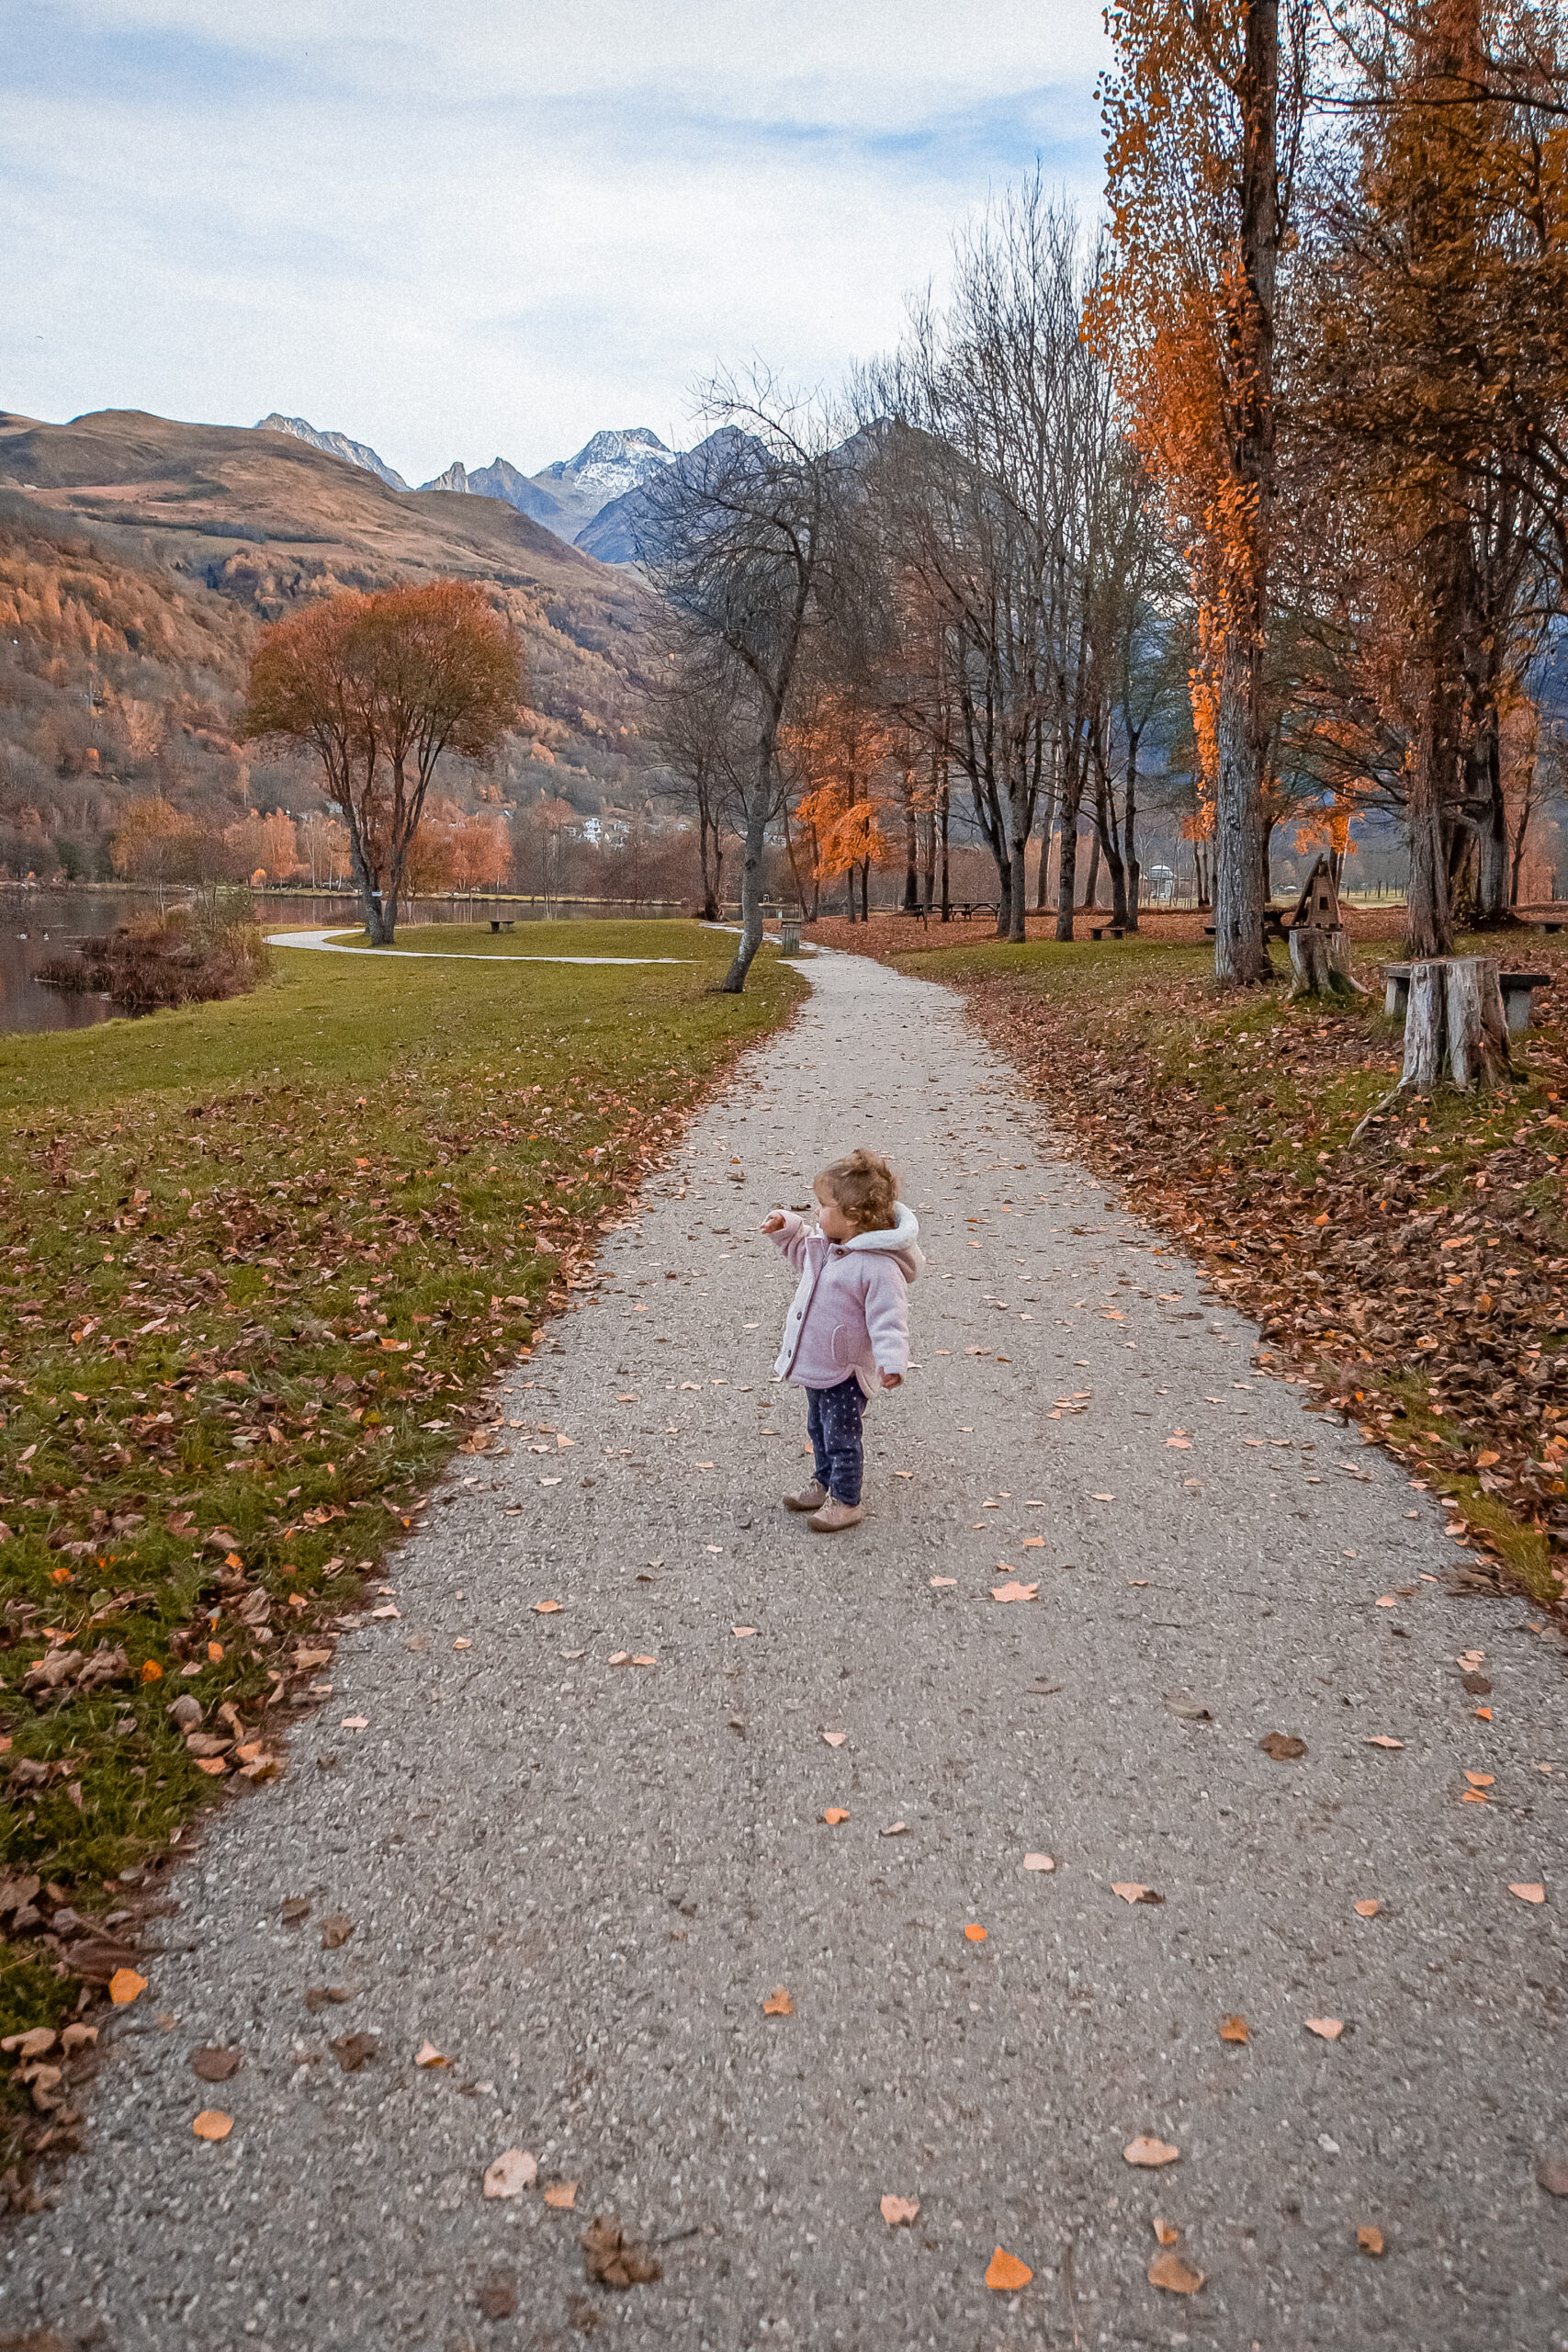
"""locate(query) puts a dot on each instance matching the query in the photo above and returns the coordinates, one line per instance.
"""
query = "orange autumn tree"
(1204, 107)
(839, 755)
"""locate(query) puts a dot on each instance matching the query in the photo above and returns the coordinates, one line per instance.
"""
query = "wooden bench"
(1518, 988)
(1273, 926)
(505, 923)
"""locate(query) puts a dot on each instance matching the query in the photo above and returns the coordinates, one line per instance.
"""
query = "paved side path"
(330, 944)
(581, 1880)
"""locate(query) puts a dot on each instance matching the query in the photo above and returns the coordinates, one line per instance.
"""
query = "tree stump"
(1454, 1025)
(1320, 963)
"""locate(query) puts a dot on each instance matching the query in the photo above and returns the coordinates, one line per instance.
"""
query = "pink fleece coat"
(851, 1314)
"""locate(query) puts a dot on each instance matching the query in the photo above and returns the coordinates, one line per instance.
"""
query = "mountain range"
(568, 496)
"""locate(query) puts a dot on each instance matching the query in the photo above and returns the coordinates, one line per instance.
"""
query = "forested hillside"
(139, 559)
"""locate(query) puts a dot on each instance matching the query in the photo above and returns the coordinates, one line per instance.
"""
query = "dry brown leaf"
(1233, 2028)
(1282, 1745)
(742, 1633)
(943, 1584)
(1005, 2273)
(1551, 2174)
(319, 1996)
(1381, 1740)
(1527, 1891)
(1369, 2238)
(899, 2211)
(514, 2170)
(1131, 1892)
(778, 2003)
(894, 1830)
(1368, 1909)
(216, 2065)
(834, 1814)
(336, 1930)
(26, 2046)
(1149, 2152)
(1177, 2277)
(496, 2298)
(353, 2051)
(562, 2195)
(1325, 2029)
(610, 2260)
(427, 2055)
(1015, 1592)
(125, 1987)
(1166, 2231)
(293, 1908)
(212, 2124)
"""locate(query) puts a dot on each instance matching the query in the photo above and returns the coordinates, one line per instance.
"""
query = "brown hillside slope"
(134, 543)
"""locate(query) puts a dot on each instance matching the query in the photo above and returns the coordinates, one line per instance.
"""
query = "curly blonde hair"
(866, 1188)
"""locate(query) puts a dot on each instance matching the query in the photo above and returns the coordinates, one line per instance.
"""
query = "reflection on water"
(35, 925)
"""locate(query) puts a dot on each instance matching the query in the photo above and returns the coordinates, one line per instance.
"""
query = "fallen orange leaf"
(1014, 1591)
(1482, 1780)
(835, 1738)
(1166, 2231)
(150, 1670)
(427, 2055)
(214, 1653)
(778, 2003)
(212, 2124)
(1368, 2237)
(941, 1584)
(1149, 2152)
(1527, 1893)
(975, 1935)
(562, 2195)
(1381, 1739)
(1369, 1908)
(1004, 2272)
(834, 1814)
(899, 2211)
(125, 1987)
(1039, 1863)
(1178, 2278)
(547, 1608)
(1233, 2028)
(1131, 1892)
(1325, 2029)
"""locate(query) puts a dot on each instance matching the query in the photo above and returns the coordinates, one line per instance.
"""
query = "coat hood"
(900, 1242)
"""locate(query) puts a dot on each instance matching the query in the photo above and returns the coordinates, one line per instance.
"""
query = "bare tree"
(698, 728)
(738, 535)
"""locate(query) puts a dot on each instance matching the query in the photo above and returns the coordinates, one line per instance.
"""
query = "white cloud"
(494, 228)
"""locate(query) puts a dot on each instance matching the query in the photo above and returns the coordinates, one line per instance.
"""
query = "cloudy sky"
(491, 226)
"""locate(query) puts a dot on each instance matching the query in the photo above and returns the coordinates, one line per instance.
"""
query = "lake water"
(35, 925)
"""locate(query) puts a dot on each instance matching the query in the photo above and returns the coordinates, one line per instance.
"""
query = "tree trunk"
(1492, 892)
(911, 852)
(734, 979)
(1130, 833)
(1090, 899)
(1018, 893)
(1428, 920)
(1240, 958)
(1066, 865)
(930, 876)
(946, 813)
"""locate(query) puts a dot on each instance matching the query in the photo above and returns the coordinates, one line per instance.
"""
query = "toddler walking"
(849, 1319)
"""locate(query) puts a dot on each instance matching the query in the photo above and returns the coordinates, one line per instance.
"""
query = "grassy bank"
(261, 1259)
(1419, 1277)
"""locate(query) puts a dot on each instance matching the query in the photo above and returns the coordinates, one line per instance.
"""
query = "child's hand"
(891, 1379)
(774, 1223)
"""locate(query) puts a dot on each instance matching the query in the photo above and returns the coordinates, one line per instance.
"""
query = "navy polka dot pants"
(832, 1423)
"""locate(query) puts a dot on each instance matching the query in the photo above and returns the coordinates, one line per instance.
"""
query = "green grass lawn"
(257, 1262)
(649, 938)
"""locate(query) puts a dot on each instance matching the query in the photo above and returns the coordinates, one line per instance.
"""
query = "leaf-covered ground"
(260, 1261)
(1421, 1275)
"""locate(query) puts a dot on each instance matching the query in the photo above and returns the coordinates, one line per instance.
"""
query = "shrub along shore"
(261, 1261)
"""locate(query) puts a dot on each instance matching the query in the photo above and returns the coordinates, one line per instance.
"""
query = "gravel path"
(581, 1880)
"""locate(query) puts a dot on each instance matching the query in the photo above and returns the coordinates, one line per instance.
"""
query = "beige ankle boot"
(810, 1497)
(834, 1516)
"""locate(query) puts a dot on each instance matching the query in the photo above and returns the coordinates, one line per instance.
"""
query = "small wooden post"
(1320, 951)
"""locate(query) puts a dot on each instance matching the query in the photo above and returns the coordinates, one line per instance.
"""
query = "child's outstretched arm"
(888, 1320)
(787, 1233)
